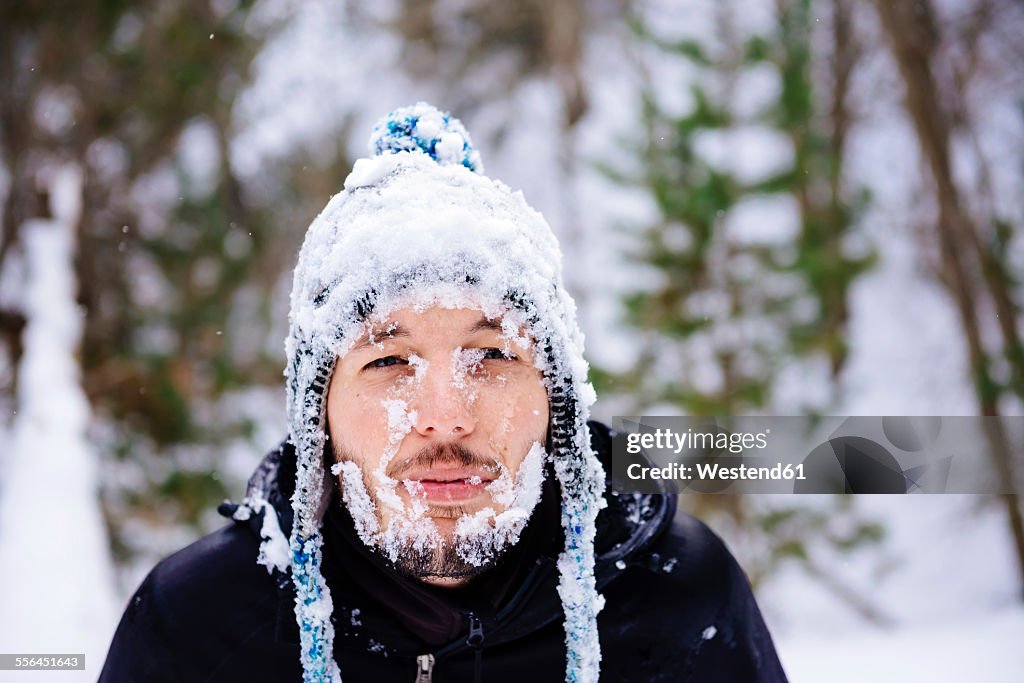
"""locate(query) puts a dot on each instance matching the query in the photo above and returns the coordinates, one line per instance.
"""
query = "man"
(439, 510)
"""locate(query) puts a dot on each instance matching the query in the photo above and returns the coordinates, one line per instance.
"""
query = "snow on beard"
(410, 539)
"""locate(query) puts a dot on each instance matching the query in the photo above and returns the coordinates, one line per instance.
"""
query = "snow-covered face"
(437, 420)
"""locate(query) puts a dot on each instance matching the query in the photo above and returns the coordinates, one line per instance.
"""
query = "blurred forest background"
(765, 207)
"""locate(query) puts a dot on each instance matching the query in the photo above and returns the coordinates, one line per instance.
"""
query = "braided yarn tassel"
(314, 607)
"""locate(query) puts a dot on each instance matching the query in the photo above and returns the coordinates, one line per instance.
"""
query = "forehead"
(434, 322)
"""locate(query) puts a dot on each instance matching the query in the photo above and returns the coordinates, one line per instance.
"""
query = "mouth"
(450, 486)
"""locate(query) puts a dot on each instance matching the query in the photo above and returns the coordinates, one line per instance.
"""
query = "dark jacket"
(678, 607)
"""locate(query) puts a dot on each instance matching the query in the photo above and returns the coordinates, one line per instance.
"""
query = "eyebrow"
(485, 324)
(392, 331)
(396, 331)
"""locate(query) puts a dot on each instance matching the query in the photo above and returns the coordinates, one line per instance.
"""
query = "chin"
(440, 565)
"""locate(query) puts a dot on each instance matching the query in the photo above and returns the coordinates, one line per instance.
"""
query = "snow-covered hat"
(420, 219)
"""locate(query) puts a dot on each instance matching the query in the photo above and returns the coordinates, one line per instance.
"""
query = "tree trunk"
(913, 35)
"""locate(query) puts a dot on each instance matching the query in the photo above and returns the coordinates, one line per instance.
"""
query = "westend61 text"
(703, 471)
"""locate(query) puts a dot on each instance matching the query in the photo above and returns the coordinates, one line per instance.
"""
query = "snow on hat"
(420, 218)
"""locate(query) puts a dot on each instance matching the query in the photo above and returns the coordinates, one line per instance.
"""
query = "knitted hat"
(420, 219)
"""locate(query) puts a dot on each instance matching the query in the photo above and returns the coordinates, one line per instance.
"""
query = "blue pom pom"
(425, 128)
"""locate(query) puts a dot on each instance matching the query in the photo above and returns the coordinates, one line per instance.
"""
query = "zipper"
(425, 663)
(476, 632)
(424, 669)
(476, 641)
(542, 569)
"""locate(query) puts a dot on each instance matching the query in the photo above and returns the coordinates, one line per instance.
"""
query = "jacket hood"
(418, 224)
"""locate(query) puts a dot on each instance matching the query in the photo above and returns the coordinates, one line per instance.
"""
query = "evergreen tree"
(177, 255)
(732, 308)
(734, 304)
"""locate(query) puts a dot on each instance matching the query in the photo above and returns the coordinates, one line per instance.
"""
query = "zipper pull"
(476, 641)
(476, 632)
(424, 669)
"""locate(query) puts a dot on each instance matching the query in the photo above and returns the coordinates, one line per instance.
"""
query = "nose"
(442, 409)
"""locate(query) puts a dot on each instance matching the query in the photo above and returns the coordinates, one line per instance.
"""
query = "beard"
(410, 540)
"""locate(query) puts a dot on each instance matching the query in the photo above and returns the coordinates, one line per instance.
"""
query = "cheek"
(515, 409)
(535, 412)
(357, 420)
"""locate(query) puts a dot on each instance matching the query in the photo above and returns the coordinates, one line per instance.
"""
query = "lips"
(451, 485)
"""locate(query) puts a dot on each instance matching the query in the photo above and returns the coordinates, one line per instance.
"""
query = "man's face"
(437, 419)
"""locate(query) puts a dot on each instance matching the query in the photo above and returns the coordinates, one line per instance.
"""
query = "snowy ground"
(945, 576)
(950, 588)
(984, 649)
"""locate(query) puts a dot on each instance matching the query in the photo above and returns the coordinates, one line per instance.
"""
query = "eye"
(498, 354)
(385, 362)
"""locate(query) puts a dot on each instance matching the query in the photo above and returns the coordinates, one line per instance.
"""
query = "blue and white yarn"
(313, 603)
(331, 298)
(581, 501)
(422, 127)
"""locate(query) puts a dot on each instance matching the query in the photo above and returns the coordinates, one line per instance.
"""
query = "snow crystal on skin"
(415, 488)
(387, 488)
(357, 500)
(411, 530)
(503, 490)
(400, 418)
(400, 423)
(354, 617)
(512, 327)
(419, 366)
(507, 493)
(479, 537)
(407, 527)
(465, 364)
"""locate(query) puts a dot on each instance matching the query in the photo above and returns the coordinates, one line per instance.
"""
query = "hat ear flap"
(308, 381)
